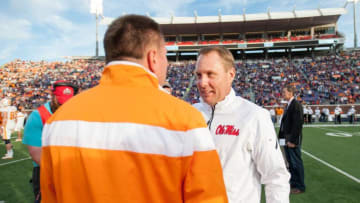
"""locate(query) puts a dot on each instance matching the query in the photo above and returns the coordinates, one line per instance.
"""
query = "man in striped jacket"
(126, 140)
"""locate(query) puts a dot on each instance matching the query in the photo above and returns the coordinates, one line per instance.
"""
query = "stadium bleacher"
(321, 80)
(251, 41)
(28, 83)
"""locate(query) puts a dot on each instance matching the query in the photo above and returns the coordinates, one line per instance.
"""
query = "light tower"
(96, 8)
(355, 34)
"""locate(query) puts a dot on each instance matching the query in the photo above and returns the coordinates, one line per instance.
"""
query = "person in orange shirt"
(279, 111)
(127, 140)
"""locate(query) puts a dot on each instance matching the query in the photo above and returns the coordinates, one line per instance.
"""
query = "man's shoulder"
(250, 107)
(181, 105)
(34, 116)
(199, 106)
(297, 104)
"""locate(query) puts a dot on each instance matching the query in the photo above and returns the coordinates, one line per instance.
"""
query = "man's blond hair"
(227, 58)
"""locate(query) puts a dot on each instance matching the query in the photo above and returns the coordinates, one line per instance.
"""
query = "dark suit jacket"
(291, 123)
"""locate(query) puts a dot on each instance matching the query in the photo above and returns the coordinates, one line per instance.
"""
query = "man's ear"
(151, 59)
(232, 73)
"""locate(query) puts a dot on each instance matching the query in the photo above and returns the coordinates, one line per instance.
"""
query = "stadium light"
(320, 12)
(244, 14)
(96, 8)
(294, 11)
(172, 17)
(219, 14)
(354, 7)
(195, 15)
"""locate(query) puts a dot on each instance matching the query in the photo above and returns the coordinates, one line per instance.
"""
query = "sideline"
(325, 125)
(331, 166)
(15, 161)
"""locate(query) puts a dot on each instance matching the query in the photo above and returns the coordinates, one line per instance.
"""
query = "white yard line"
(15, 161)
(339, 131)
(330, 129)
(331, 166)
(325, 125)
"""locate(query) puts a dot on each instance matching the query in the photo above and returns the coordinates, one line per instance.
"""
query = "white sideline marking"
(325, 125)
(11, 162)
(331, 166)
(339, 131)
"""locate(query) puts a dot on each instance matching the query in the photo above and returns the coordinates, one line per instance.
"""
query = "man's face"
(212, 79)
(54, 103)
(286, 94)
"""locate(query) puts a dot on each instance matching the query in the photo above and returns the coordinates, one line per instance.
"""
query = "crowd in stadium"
(29, 83)
(322, 80)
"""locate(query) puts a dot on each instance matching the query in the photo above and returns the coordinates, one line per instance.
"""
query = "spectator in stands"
(237, 124)
(123, 141)
(291, 131)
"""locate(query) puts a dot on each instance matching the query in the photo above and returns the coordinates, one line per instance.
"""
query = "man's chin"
(208, 100)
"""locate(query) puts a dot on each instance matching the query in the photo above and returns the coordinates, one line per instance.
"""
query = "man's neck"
(290, 99)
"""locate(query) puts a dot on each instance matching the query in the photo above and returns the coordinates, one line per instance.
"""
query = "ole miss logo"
(227, 130)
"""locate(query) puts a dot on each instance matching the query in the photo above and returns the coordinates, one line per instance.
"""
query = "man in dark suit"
(291, 131)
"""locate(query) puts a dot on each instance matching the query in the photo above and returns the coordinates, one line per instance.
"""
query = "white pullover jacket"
(250, 155)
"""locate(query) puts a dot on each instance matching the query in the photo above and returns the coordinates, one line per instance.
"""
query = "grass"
(323, 183)
(14, 178)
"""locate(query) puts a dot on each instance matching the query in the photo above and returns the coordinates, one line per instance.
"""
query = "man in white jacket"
(243, 133)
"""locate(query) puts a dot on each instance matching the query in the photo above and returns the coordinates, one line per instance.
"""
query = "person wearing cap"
(167, 87)
(62, 91)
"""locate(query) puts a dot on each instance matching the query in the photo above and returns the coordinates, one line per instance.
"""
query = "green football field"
(331, 158)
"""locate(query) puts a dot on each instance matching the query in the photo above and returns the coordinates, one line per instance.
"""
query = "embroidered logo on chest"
(227, 130)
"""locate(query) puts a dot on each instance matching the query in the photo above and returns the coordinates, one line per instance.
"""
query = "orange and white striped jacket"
(126, 140)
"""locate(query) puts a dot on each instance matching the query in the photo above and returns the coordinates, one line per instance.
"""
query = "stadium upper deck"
(263, 32)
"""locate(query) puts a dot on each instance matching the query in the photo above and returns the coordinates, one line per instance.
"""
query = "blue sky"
(52, 29)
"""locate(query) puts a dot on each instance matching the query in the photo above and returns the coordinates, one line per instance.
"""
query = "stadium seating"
(185, 43)
(258, 40)
(262, 81)
(170, 43)
(320, 80)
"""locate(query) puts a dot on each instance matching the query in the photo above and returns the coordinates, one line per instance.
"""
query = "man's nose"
(202, 82)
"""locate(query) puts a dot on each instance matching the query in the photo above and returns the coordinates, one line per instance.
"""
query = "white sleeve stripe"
(127, 137)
